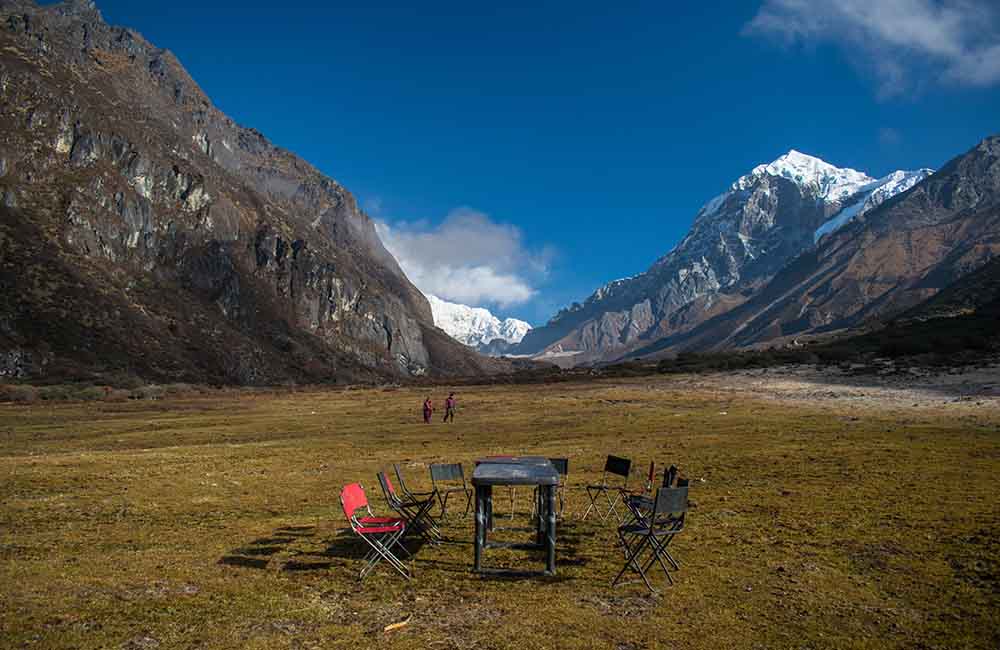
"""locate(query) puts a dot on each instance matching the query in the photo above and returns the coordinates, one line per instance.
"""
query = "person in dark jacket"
(449, 407)
(428, 410)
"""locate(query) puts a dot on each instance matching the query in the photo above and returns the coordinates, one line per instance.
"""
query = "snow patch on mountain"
(873, 195)
(475, 326)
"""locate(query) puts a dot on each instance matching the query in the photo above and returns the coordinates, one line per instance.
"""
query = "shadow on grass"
(257, 554)
(330, 553)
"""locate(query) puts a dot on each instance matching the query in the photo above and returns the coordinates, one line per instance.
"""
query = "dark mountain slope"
(963, 319)
(184, 246)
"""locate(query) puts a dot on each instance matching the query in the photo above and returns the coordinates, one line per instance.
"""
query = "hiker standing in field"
(428, 410)
(449, 407)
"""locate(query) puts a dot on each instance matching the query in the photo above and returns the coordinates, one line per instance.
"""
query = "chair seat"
(373, 521)
(414, 503)
(643, 529)
(378, 528)
(640, 501)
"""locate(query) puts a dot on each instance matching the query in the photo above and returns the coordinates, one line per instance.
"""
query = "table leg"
(550, 533)
(489, 506)
(480, 526)
(542, 520)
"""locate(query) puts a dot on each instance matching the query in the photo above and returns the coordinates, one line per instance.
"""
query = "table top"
(512, 472)
(514, 460)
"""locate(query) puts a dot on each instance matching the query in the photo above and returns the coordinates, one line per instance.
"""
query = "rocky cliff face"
(738, 241)
(168, 240)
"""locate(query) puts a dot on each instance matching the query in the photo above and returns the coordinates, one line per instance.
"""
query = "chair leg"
(420, 521)
(612, 504)
(593, 493)
(670, 558)
(631, 562)
(658, 551)
(381, 550)
(444, 503)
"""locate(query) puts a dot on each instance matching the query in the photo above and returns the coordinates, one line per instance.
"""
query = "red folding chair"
(380, 533)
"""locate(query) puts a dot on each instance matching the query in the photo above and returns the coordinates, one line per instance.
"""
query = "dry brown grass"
(213, 522)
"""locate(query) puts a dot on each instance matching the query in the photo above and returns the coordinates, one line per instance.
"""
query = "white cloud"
(467, 258)
(900, 42)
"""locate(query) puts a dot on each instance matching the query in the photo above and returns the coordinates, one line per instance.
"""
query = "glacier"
(874, 195)
(476, 327)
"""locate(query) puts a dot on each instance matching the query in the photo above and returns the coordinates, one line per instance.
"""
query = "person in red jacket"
(449, 407)
(428, 410)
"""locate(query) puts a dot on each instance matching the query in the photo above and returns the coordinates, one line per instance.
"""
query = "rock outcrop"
(146, 232)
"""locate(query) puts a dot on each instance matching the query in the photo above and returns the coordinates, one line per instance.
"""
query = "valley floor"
(830, 511)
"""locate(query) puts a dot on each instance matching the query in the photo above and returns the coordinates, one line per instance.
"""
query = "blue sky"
(550, 147)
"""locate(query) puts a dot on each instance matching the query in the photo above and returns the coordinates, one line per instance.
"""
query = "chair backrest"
(388, 490)
(447, 472)
(352, 499)
(670, 501)
(670, 476)
(561, 465)
(618, 466)
(399, 477)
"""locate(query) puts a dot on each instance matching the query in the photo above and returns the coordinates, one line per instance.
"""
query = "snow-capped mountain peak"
(475, 326)
(830, 183)
(817, 177)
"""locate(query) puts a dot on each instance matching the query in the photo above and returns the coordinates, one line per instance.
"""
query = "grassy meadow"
(213, 522)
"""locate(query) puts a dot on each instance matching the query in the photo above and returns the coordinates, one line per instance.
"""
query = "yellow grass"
(214, 522)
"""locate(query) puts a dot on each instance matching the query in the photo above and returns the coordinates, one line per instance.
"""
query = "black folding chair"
(411, 495)
(640, 505)
(618, 467)
(416, 512)
(654, 535)
(447, 472)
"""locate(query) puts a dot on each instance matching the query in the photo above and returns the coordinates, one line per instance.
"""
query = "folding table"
(532, 471)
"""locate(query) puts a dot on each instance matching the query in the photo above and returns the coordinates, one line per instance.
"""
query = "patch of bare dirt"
(971, 387)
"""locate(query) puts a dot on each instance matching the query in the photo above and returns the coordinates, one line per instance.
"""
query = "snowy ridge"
(874, 195)
(609, 288)
(830, 184)
(823, 180)
(475, 326)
